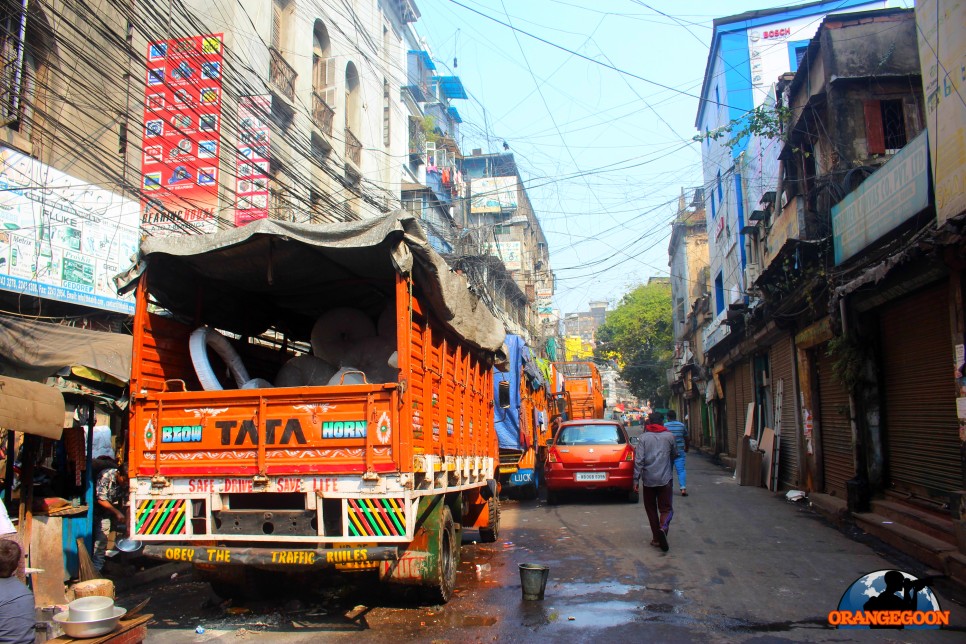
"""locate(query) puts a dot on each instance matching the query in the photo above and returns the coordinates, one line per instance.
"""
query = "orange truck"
(581, 388)
(310, 399)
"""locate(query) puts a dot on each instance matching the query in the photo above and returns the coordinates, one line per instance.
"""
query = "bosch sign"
(784, 32)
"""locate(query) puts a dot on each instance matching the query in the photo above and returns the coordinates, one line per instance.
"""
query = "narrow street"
(744, 565)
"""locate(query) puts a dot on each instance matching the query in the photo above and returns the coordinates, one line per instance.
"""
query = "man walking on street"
(683, 443)
(656, 450)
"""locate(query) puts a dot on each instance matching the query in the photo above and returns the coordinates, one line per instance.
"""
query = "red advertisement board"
(251, 183)
(182, 126)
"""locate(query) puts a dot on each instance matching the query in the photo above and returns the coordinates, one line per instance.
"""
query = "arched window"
(323, 79)
(353, 115)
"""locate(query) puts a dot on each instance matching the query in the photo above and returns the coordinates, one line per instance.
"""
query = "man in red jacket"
(654, 454)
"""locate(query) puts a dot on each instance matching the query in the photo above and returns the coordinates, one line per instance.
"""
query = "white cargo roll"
(304, 371)
(337, 331)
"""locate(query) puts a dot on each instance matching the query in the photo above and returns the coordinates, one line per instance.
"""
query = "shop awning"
(37, 350)
(31, 407)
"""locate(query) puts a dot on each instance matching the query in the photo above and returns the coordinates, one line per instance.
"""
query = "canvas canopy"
(35, 350)
(282, 275)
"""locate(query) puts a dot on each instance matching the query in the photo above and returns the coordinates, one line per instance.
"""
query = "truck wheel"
(491, 532)
(448, 560)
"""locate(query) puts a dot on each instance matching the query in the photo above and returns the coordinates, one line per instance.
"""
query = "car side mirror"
(633, 440)
(503, 394)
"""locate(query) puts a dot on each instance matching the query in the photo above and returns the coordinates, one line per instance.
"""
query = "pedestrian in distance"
(656, 450)
(683, 443)
(16, 600)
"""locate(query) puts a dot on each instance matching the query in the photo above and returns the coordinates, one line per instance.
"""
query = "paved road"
(744, 565)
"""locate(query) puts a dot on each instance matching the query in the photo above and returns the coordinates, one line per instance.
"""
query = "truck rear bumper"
(271, 557)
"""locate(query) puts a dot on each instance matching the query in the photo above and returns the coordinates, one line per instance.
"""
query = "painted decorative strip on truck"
(160, 517)
(376, 517)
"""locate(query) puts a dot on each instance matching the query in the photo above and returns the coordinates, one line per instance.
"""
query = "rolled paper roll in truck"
(318, 478)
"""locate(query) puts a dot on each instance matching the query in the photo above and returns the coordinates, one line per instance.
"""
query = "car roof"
(590, 421)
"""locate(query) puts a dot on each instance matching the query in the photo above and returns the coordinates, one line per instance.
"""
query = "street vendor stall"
(56, 382)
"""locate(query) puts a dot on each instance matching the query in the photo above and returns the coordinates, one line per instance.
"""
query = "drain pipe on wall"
(857, 489)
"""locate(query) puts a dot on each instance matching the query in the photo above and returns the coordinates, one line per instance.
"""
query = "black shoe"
(662, 540)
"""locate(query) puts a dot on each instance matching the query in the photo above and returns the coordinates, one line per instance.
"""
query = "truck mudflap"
(277, 557)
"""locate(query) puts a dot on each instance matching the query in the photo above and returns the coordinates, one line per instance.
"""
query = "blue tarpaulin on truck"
(507, 421)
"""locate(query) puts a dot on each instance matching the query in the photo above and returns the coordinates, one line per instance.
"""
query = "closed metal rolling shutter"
(834, 428)
(782, 363)
(732, 402)
(921, 429)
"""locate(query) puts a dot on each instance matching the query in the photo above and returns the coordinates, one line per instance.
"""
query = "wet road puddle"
(602, 604)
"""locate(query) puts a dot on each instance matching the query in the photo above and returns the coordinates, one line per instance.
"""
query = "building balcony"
(353, 150)
(417, 141)
(281, 75)
(322, 115)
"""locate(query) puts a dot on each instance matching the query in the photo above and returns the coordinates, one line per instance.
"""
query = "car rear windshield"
(591, 435)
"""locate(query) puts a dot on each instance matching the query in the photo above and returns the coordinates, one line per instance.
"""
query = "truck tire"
(491, 532)
(448, 560)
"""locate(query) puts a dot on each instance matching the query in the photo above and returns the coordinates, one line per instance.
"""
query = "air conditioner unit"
(752, 273)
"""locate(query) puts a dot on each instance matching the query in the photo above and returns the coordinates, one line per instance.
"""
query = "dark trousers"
(657, 504)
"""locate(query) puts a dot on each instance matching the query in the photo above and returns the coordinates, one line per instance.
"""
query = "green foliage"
(767, 121)
(849, 355)
(429, 129)
(639, 334)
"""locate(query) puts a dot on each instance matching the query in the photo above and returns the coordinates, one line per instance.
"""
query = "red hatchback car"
(590, 455)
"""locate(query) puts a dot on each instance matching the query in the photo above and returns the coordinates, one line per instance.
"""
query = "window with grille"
(885, 126)
(893, 125)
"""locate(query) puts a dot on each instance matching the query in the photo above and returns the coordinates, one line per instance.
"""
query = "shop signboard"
(252, 159)
(182, 128)
(892, 195)
(493, 194)
(942, 53)
(61, 238)
(509, 252)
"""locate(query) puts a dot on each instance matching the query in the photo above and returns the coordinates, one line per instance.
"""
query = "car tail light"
(553, 457)
(629, 454)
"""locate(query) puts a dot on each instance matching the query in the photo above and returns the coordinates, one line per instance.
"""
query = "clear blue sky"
(604, 155)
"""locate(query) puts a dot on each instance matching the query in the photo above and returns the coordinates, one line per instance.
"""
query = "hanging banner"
(61, 238)
(251, 176)
(942, 56)
(182, 124)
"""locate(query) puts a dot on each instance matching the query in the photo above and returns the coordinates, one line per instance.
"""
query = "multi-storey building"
(500, 222)
(690, 284)
(749, 51)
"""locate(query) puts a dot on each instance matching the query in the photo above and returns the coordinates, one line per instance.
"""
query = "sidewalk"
(769, 560)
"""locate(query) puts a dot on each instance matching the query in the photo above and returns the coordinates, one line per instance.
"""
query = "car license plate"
(591, 476)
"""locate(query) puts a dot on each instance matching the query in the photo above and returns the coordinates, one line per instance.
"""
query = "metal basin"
(94, 628)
